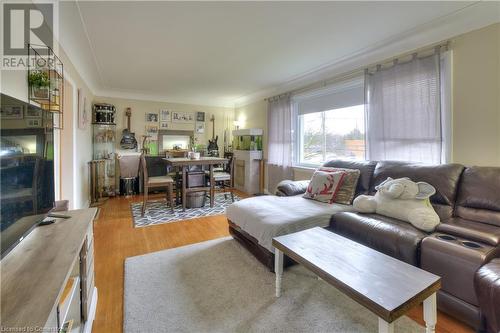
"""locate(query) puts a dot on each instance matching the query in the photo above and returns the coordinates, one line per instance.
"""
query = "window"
(406, 117)
(338, 133)
(330, 124)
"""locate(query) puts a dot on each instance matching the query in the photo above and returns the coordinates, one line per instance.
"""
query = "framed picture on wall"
(200, 127)
(83, 112)
(34, 122)
(152, 117)
(200, 116)
(183, 117)
(11, 111)
(151, 129)
(165, 115)
(165, 125)
(32, 112)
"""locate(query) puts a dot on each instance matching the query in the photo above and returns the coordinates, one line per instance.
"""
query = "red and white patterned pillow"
(324, 186)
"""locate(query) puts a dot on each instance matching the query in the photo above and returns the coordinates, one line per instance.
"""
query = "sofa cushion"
(456, 261)
(287, 188)
(385, 234)
(347, 189)
(324, 186)
(268, 216)
(472, 230)
(366, 169)
(443, 177)
(487, 283)
(478, 196)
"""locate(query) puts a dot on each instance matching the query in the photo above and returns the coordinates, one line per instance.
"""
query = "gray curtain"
(403, 111)
(280, 139)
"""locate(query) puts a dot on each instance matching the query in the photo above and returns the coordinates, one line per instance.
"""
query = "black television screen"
(26, 169)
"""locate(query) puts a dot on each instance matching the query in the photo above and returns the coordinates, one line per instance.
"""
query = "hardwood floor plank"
(115, 239)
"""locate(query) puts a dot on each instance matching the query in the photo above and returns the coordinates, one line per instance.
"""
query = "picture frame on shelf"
(151, 117)
(12, 111)
(183, 117)
(32, 112)
(165, 115)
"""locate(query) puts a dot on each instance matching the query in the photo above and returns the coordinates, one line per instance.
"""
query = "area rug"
(158, 212)
(217, 286)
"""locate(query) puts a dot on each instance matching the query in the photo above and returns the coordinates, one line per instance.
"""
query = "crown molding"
(140, 96)
(472, 17)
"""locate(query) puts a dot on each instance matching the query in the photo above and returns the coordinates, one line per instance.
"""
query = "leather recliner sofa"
(467, 201)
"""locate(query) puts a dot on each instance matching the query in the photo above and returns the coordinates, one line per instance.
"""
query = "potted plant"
(199, 147)
(39, 83)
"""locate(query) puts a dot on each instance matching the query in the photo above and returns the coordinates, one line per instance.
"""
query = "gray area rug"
(158, 211)
(217, 286)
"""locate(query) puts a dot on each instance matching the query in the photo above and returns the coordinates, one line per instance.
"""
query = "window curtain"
(280, 128)
(403, 111)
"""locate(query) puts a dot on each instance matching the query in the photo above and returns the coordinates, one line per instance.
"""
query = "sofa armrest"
(287, 188)
(487, 285)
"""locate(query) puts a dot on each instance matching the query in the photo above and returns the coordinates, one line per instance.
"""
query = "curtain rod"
(361, 70)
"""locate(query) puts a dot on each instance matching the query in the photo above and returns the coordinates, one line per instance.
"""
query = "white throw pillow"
(324, 186)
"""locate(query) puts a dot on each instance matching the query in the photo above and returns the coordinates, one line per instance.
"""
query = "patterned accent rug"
(158, 212)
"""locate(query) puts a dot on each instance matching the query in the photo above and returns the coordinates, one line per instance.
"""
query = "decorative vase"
(194, 155)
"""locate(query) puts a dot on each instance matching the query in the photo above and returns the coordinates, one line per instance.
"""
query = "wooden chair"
(224, 179)
(155, 182)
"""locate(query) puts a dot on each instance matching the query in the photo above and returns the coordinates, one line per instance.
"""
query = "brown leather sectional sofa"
(467, 200)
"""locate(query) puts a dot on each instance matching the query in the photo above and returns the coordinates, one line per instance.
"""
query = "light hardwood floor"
(116, 239)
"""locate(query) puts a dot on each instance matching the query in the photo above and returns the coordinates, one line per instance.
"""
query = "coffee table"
(384, 285)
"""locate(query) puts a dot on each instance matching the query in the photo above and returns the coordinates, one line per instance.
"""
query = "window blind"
(335, 96)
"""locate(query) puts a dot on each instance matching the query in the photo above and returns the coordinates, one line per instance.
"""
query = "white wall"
(476, 97)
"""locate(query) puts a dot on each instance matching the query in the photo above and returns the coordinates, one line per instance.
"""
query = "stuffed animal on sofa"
(402, 199)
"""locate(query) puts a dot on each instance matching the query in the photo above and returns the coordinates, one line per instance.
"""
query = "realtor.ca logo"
(26, 24)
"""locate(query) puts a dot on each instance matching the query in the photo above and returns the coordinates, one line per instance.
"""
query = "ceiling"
(216, 53)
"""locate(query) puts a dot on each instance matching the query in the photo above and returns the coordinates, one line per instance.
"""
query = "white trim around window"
(320, 113)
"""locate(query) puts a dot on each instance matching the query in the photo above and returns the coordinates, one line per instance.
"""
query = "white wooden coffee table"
(384, 285)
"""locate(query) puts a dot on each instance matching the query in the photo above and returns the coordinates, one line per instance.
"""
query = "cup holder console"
(446, 237)
(466, 243)
(471, 245)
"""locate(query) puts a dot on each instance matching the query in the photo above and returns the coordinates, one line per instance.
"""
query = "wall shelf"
(45, 78)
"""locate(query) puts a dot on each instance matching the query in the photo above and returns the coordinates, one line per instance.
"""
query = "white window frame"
(446, 106)
(298, 142)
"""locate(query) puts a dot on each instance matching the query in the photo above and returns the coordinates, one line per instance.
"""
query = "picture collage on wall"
(151, 128)
(200, 122)
(167, 119)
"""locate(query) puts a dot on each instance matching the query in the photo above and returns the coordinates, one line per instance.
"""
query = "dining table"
(184, 163)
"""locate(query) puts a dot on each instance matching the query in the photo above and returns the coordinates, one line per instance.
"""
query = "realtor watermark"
(28, 29)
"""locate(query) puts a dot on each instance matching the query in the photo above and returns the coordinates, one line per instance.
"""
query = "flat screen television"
(26, 169)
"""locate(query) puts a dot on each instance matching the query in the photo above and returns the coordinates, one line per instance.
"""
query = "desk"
(184, 163)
